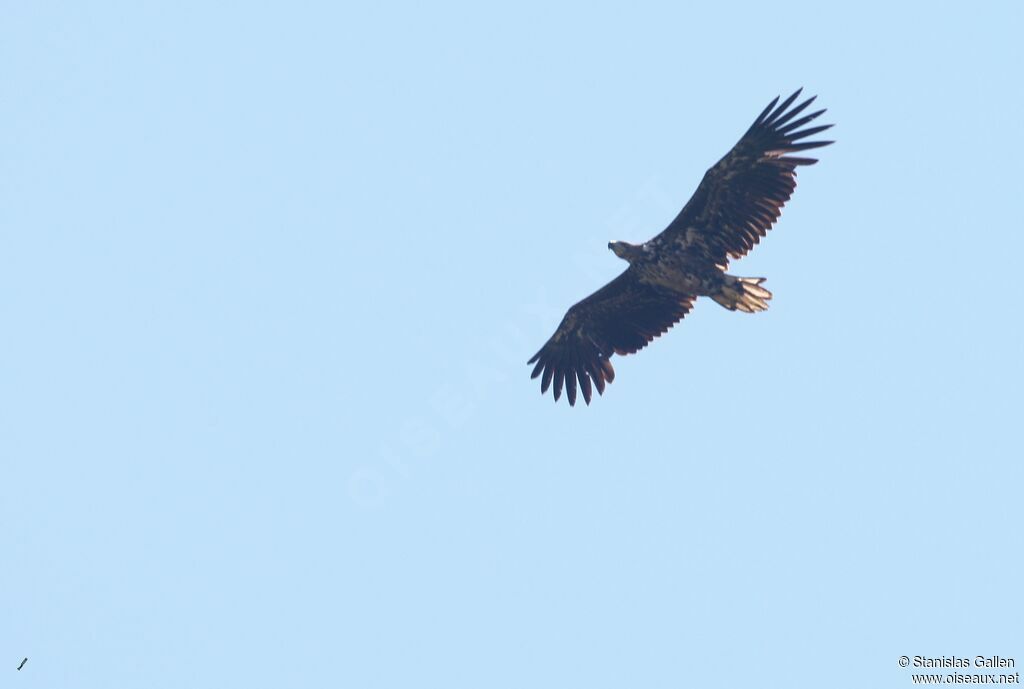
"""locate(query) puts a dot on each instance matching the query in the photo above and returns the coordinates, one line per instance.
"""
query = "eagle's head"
(626, 251)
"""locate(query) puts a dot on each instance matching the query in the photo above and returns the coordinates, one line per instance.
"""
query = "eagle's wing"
(742, 195)
(620, 318)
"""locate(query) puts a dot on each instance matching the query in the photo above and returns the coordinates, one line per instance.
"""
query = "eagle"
(736, 203)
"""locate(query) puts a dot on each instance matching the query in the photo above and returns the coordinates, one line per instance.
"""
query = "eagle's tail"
(743, 294)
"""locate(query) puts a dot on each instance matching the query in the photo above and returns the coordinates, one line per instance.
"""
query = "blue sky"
(269, 277)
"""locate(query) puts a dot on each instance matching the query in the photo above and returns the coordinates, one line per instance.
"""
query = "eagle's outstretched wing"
(742, 195)
(620, 318)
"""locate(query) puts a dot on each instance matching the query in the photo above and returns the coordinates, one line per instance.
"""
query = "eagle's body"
(735, 205)
(683, 272)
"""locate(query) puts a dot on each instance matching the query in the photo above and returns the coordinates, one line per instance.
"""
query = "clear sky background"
(270, 274)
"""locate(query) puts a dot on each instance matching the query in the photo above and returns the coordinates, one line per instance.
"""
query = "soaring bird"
(735, 205)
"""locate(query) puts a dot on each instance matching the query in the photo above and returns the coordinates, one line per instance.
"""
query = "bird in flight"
(23, 661)
(737, 202)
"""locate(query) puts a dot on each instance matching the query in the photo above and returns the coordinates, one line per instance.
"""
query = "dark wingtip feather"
(793, 126)
(799, 161)
(810, 131)
(793, 112)
(597, 375)
(546, 380)
(764, 113)
(797, 124)
(782, 107)
(570, 387)
(806, 146)
(585, 385)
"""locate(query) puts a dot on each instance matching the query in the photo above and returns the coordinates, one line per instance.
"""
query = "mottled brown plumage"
(737, 202)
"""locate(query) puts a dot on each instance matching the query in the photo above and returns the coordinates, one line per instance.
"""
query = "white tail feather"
(743, 294)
